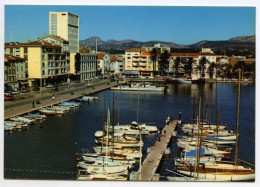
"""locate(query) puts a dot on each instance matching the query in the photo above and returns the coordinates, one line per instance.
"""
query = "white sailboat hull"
(221, 177)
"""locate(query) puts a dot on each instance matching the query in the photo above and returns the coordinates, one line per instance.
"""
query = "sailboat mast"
(238, 106)
(216, 98)
(193, 116)
(137, 114)
(113, 119)
(119, 98)
(198, 138)
(104, 118)
(208, 118)
(108, 123)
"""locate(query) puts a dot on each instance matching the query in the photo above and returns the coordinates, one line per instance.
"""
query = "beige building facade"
(139, 60)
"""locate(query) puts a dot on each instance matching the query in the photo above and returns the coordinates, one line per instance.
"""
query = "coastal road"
(23, 102)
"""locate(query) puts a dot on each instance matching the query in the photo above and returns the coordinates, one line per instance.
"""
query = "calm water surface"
(51, 149)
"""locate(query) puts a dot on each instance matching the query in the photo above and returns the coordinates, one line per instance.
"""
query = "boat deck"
(153, 159)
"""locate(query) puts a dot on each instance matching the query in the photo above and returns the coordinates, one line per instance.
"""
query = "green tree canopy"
(163, 62)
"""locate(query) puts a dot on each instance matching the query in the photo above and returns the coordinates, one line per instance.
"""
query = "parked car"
(49, 86)
(64, 83)
(25, 90)
(12, 92)
(55, 88)
(36, 88)
(15, 92)
(78, 81)
(8, 94)
(9, 98)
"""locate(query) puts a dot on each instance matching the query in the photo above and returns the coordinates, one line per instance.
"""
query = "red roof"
(101, 55)
(134, 50)
(206, 53)
(114, 59)
(145, 54)
(13, 44)
(12, 58)
(184, 54)
(56, 37)
(34, 43)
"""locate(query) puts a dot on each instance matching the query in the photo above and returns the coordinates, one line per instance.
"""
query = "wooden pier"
(153, 159)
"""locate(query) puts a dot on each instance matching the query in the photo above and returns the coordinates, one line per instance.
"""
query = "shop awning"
(132, 72)
(146, 73)
(24, 83)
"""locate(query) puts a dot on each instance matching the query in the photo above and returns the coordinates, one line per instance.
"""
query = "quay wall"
(14, 111)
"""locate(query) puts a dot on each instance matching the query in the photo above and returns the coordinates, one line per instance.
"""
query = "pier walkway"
(153, 159)
(45, 99)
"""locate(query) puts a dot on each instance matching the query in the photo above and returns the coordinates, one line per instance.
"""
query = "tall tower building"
(65, 25)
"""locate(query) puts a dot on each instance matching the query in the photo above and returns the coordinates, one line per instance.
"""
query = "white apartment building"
(103, 63)
(116, 66)
(210, 58)
(158, 47)
(65, 25)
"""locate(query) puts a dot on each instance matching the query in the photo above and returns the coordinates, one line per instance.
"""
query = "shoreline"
(60, 97)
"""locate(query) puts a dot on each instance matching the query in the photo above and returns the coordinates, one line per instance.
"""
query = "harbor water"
(49, 152)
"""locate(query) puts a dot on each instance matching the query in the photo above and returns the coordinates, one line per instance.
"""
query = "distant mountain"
(244, 43)
(249, 39)
(114, 45)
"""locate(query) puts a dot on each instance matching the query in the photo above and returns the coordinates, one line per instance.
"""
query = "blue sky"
(181, 25)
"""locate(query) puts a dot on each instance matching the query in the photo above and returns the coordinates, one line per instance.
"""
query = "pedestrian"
(168, 120)
(53, 97)
(164, 132)
(159, 135)
(33, 104)
(180, 116)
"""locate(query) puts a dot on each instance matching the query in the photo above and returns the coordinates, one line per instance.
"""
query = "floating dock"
(153, 159)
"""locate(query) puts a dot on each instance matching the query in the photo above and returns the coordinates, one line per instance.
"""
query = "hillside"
(239, 44)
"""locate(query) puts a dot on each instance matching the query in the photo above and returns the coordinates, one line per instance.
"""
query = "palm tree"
(176, 65)
(211, 68)
(164, 62)
(201, 66)
(227, 69)
(240, 65)
(154, 57)
(188, 66)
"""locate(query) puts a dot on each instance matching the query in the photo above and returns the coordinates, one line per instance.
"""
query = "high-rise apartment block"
(65, 25)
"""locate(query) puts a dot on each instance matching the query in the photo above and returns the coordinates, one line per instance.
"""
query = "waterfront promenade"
(18, 107)
(153, 159)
